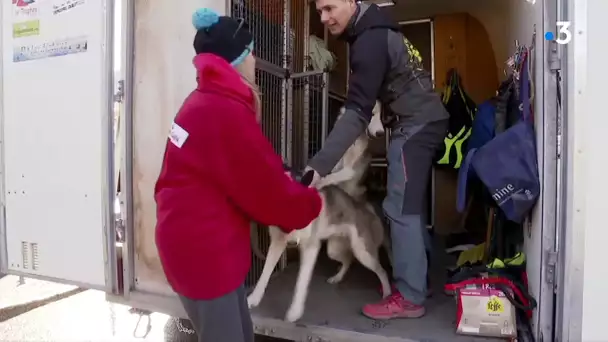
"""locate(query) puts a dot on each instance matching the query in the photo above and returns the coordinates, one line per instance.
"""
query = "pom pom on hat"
(204, 18)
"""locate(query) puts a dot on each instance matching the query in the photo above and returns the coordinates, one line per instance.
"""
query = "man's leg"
(221, 319)
(409, 163)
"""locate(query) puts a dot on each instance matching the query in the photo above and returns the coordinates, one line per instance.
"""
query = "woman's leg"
(246, 322)
(221, 319)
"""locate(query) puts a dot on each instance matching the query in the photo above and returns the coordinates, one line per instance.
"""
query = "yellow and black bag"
(462, 111)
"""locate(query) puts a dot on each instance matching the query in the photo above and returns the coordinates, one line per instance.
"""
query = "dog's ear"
(307, 178)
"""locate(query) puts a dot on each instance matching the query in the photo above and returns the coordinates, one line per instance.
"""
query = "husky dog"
(349, 171)
(348, 223)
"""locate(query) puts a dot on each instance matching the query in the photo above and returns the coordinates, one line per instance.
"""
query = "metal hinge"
(555, 63)
(119, 225)
(551, 258)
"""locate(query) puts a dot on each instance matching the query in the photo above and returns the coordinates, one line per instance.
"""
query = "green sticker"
(26, 28)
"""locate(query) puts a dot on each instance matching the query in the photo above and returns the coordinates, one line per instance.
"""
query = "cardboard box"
(485, 311)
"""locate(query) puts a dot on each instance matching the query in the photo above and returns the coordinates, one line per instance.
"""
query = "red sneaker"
(393, 306)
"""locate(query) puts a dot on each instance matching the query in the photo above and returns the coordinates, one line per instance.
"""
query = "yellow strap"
(458, 145)
(449, 142)
(415, 55)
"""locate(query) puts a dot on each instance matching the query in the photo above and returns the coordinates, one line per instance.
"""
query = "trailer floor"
(339, 306)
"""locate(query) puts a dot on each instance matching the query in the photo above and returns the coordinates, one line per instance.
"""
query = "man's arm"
(369, 63)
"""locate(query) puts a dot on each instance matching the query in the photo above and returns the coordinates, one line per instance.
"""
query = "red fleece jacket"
(219, 172)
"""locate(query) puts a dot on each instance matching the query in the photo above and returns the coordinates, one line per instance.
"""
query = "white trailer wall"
(56, 175)
(584, 284)
(163, 75)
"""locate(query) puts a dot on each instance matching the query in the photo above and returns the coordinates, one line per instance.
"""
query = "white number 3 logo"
(564, 36)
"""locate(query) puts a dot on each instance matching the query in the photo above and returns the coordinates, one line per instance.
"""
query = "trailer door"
(56, 219)
(582, 299)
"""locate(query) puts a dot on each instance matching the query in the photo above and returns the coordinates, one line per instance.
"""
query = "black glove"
(304, 178)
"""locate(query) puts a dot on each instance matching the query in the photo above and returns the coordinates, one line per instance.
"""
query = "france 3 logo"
(564, 35)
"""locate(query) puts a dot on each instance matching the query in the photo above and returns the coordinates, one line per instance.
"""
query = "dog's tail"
(255, 242)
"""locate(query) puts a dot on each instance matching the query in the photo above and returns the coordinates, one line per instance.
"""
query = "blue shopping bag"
(507, 164)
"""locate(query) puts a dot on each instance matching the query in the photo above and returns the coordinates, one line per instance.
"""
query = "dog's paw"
(335, 279)
(386, 291)
(253, 300)
(294, 313)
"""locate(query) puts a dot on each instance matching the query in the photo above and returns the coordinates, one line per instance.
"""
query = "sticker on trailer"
(59, 47)
(178, 135)
(25, 9)
(26, 28)
(66, 6)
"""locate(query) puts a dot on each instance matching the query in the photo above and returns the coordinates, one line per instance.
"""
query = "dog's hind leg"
(338, 249)
(308, 258)
(276, 249)
(370, 260)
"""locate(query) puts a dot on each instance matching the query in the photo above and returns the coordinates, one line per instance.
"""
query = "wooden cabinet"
(461, 42)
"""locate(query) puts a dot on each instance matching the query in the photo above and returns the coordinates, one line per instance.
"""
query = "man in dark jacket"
(386, 67)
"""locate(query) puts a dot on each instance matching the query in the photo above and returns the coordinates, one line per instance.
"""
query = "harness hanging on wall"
(462, 111)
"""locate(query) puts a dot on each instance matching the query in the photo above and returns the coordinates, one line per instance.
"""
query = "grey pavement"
(44, 311)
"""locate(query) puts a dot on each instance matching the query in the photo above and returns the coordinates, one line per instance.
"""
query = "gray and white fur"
(348, 223)
(351, 168)
(349, 171)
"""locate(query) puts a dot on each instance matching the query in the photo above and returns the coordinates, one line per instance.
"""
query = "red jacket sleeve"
(248, 169)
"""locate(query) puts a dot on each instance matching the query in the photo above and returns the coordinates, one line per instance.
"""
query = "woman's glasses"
(242, 25)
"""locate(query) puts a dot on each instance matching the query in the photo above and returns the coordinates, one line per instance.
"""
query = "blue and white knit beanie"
(223, 36)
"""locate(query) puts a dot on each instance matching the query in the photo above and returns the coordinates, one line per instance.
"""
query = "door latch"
(551, 274)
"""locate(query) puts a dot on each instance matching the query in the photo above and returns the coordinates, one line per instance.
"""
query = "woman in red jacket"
(219, 173)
